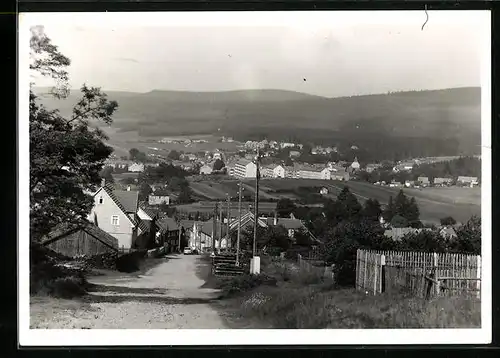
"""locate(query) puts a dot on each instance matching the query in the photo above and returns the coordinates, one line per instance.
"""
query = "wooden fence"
(423, 274)
(314, 265)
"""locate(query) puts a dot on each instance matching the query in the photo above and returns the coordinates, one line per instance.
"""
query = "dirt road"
(169, 295)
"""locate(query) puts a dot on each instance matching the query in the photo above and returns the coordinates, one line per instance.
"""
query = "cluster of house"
(245, 168)
(446, 232)
(129, 165)
(203, 235)
(436, 182)
(118, 222)
(182, 141)
(271, 144)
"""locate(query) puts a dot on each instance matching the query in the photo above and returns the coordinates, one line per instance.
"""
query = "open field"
(208, 207)
(123, 141)
(434, 203)
(432, 208)
(454, 195)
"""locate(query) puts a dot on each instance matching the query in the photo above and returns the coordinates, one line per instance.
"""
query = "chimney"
(275, 218)
(103, 182)
(128, 188)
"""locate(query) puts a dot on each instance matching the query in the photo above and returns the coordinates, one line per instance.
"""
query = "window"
(114, 220)
(100, 200)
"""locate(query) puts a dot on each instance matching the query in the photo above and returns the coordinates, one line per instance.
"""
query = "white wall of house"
(158, 199)
(279, 172)
(112, 220)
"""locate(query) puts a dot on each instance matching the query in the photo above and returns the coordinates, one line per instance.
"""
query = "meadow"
(434, 203)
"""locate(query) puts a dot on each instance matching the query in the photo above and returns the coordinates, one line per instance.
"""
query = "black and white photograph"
(240, 174)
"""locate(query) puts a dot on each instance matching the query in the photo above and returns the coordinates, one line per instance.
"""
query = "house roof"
(65, 229)
(397, 233)
(442, 179)
(448, 231)
(187, 224)
(129, 200)
(207, 228)
(152, 213)
(167, 224)
(465, 178)
(286, 222)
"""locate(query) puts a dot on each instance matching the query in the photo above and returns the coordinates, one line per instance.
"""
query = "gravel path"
(166, 296)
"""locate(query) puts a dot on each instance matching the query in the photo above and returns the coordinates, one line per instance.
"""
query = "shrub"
(68, 287)
(244, 283)
(130, 262)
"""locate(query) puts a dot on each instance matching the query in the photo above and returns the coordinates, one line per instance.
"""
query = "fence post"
(478, 276)
(382, 273)
(435, 267)
(364, 269)
(375, 272)
(357, 270)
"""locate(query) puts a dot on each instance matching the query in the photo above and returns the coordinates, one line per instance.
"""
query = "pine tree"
(389, 211)
(372, 210)
(349, 204)
(412, 211)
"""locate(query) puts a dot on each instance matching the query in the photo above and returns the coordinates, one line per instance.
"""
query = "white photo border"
(126, 337)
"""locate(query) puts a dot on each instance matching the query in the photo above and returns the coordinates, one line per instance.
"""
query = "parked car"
(188, 251)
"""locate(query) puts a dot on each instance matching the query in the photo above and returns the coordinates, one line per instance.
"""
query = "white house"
(115, 212)
(158, 199)
(206, 169)
(355, 165)
(136, 167)
(245, 169)
(279, 172)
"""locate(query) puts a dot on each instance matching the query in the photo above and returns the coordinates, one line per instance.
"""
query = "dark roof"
(167, 224)
(187, 224)
(152, 213)
(207, 228)
(64, 230)
(287, 223)
(128, 199)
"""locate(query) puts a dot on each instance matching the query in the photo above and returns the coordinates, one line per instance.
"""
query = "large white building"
(314, 173)
(245, 169)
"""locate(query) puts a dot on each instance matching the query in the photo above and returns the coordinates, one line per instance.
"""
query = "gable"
(117, 206)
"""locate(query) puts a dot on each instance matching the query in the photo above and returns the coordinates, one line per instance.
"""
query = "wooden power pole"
(239, 226)
(221, 208)
(228, 216)
(257, 175)
(214, 229)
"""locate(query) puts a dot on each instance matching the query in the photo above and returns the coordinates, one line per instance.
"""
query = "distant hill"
(440, 115)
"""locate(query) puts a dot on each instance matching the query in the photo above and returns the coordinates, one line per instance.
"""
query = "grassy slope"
(303, 300)
(433, 204)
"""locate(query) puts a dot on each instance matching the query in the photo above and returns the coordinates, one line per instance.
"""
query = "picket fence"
(424, 274)
(314, 265)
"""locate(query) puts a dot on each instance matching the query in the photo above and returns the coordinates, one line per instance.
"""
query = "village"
(156, 208)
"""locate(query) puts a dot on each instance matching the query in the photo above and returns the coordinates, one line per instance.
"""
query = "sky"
(332, 58)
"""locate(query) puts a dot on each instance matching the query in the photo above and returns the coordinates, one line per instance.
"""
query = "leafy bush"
(130, 262)
(68, 287)
(244, 283)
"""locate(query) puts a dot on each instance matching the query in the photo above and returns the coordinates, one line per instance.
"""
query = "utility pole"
(257, 175)
(239, 226)
(220, 226)
(228, 216)
(214, 229)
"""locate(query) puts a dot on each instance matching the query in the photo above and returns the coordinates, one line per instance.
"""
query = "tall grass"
(306, 300)
(314, 308)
